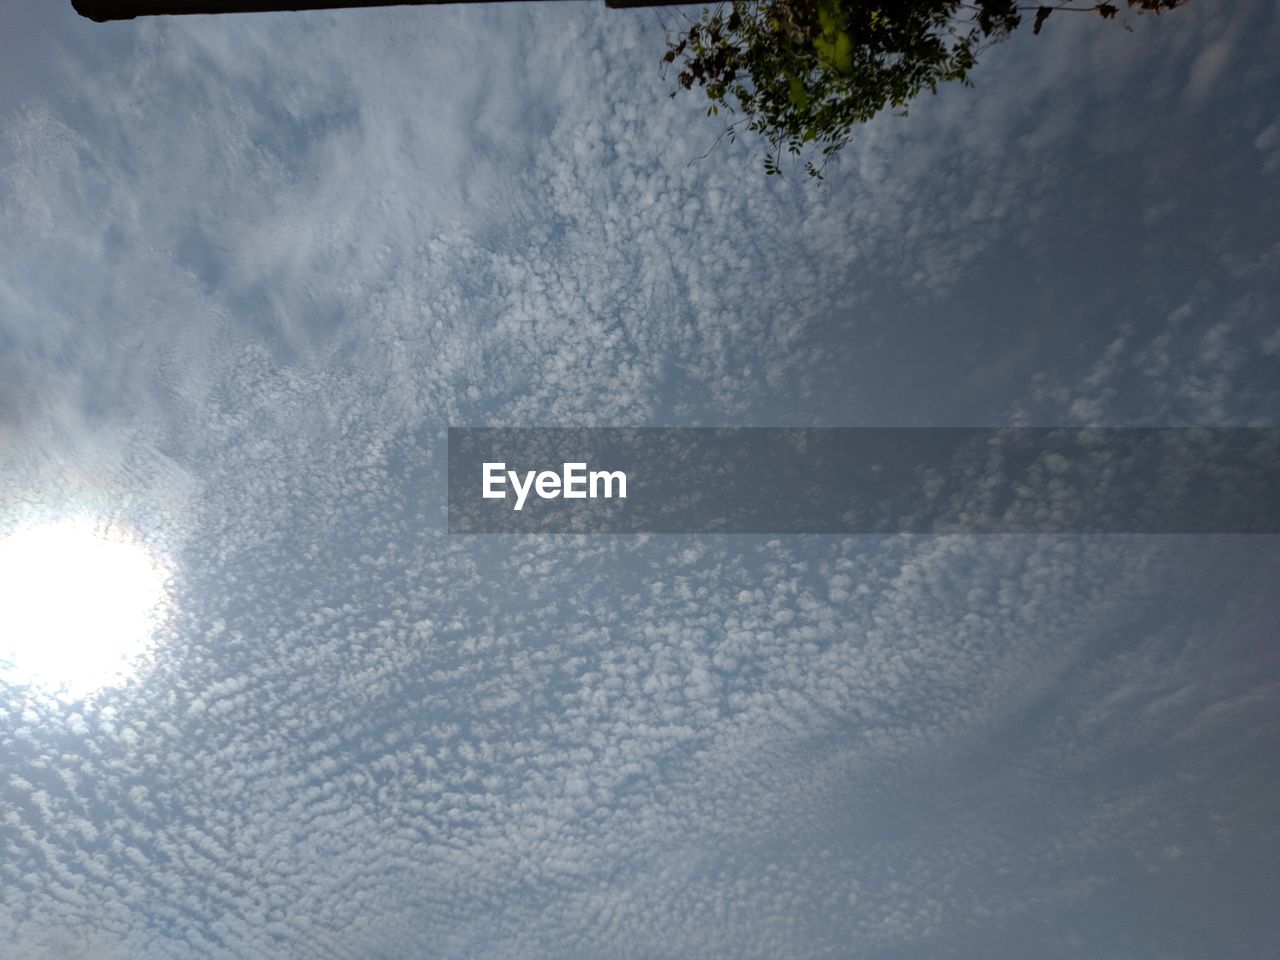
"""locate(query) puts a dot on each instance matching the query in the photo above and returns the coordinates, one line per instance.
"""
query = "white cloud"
(255, 265)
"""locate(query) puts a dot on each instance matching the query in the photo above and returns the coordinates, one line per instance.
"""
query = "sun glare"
(78, 602)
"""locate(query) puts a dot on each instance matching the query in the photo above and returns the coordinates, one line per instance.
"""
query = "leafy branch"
(803, 73)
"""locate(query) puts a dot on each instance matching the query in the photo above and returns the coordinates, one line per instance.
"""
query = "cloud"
(256, 265)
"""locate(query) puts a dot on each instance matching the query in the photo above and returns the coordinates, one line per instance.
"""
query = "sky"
(251, 270)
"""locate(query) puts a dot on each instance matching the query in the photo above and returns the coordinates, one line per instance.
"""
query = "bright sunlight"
(78, 601)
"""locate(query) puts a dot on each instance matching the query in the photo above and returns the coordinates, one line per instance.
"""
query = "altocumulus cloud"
(254, 266)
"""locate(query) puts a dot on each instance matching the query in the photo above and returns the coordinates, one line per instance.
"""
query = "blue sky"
(251, 268)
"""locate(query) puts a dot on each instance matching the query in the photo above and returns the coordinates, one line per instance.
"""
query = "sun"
(79, 600)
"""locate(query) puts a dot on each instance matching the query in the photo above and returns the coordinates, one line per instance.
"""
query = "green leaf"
(834, 46)
(799, 95)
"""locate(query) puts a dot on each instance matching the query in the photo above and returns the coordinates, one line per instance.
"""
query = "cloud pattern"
(255, 266)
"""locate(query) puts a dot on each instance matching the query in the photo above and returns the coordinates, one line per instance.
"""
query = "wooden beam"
(104, 10)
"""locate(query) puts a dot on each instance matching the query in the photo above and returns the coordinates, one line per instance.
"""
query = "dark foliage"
(804, 73)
